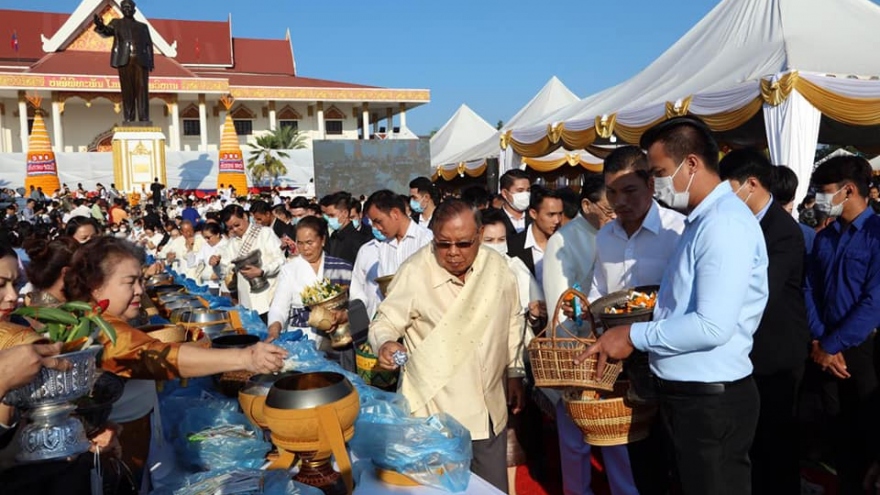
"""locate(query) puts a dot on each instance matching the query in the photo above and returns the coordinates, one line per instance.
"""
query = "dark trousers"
(135, 82)
(490, 459)
(854, 419)
(774, 453)
(711, 436)
(650, 461)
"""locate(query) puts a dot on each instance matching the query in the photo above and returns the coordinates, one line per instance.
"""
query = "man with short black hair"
(345, 241)
(710, 302)
(545, 210)
(843, 304)
(264, 216)
(782, 339)
(423, 200)
(515, 186)
(156, 189)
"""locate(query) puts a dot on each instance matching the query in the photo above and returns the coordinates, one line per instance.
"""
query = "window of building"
(334, 127)
(192, 127)
(30, 126)
(243, 127)
(284, 124)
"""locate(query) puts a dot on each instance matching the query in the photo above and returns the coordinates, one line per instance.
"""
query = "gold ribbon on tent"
(460, 170)
(853, 111)
(775, 92)
(570, 159)
(605, 125)
(678, 108)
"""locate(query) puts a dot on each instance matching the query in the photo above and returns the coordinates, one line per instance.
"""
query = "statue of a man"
(132, 55)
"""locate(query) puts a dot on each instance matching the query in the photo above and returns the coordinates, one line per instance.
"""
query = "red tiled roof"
(28, 26)
(211, 37)
(262, 56)
(98, 64)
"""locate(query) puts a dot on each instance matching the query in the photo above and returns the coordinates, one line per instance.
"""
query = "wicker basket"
(610, 420)
(552, 358)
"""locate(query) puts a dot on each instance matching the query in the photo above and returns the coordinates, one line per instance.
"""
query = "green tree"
(499, 125)
(264, 163)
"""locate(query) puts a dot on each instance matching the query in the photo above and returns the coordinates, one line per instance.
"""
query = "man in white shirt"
(633, 251)
(203, 273)
(81, 210)
(245, 238)
(515, 187)
(184, 248)
(568, 260)
(399, 237)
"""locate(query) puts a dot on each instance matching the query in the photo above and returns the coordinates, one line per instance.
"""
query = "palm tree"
(265, 159)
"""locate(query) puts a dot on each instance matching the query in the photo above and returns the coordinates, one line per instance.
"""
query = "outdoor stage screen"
(362, 167)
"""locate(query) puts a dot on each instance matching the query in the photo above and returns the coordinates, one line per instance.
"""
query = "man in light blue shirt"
(709, 305)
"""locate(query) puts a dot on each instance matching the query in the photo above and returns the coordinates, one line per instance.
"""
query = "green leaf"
(105, 327)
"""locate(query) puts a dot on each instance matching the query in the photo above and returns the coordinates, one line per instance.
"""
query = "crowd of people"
(761, 346)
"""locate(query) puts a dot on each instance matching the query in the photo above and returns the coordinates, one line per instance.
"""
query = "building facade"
(60, 57)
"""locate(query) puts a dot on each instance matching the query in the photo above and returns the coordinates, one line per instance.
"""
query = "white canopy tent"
(464, 129)
(553, 96)
(788, 62)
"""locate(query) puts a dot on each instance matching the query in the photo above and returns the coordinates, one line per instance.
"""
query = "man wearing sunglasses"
(456, 306)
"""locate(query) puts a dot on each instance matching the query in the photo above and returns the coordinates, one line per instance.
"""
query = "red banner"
(231, 165)
(42, 168)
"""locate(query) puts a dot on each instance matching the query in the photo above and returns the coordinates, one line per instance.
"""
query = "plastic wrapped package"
(433, 451)
(210, 436)
(272, 483)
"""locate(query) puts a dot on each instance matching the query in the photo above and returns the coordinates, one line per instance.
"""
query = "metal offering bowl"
(258, 284)
(57, 387)
(49, 433)
(159, 279)
(166, 289)
(234, 341)
(94, 410)
(217, 330)
(199, 316)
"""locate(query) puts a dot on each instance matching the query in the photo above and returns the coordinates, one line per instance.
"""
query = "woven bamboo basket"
(552, 358)
(611, 420)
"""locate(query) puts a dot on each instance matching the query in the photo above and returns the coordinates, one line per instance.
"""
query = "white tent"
(464, 129)
(553, 96)
(787, 61)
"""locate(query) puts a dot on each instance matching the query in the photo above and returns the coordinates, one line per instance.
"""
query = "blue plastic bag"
(208, 453)
(434, 451)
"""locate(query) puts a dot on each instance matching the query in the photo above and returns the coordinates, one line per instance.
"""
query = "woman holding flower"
(302, 274)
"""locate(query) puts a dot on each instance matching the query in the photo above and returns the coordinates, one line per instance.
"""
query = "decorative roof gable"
(80, 21)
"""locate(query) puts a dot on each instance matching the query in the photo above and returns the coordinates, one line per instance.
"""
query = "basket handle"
(554, 322)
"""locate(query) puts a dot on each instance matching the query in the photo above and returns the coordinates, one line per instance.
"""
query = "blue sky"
(493, 56)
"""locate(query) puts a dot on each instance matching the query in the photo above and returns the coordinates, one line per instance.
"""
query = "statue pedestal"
(138, 157)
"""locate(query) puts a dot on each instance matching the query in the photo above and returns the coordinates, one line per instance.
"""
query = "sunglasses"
(459, 244)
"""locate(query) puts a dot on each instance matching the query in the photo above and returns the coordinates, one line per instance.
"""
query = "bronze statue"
(132, 55)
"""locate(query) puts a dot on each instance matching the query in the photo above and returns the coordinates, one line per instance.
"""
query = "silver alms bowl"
(57, 387)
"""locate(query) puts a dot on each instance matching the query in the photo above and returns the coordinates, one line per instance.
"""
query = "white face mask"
(501, 247)
(664, 190)
(824, 204)
(521, 201)
(746, 201)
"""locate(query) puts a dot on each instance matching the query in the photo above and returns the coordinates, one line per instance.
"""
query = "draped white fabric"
(792, 135)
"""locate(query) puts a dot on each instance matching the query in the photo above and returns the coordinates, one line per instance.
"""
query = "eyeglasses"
(459, 244)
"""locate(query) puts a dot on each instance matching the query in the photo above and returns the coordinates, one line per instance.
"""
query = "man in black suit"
(515, 186)
(156, 189)
(545, 211)
(132, 55)
(782, 339)
(345, 240)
